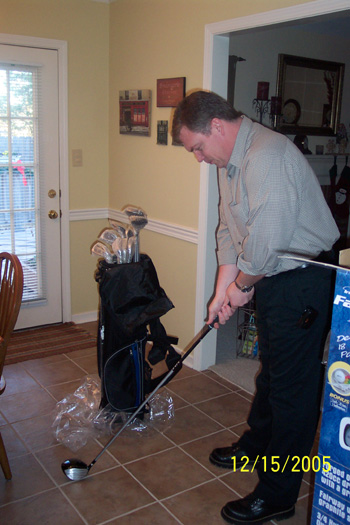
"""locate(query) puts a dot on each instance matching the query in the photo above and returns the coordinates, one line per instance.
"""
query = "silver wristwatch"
(244, 289)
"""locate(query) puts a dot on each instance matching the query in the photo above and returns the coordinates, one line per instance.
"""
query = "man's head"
(205, 124)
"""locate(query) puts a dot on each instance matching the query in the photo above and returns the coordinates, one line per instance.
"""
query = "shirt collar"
(240, 147)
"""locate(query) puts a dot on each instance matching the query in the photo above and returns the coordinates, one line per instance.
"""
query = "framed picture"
(170, 91)
(134, 112)
(162, 132)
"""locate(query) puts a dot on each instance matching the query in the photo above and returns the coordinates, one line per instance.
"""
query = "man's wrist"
(244, 288)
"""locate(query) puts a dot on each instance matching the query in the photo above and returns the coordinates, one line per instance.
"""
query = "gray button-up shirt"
(271, 204)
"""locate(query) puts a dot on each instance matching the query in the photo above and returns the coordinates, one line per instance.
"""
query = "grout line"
(25, 498)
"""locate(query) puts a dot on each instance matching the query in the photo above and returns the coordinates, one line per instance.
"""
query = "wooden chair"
(11, 289)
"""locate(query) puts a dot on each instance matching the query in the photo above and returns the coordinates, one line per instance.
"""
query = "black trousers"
(285, 410)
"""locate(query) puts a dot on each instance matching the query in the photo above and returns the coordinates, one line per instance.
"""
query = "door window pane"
(19, 196)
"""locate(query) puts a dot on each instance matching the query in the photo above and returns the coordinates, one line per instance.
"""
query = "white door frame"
(61, 47)
(215, 70)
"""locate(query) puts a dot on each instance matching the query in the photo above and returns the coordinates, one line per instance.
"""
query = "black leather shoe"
(254, 510)
(222, 457)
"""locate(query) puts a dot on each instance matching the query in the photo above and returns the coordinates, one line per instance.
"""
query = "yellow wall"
(128, 44)
(152, 39)
(85, 26)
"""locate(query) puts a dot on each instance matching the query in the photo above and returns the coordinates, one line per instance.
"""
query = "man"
(271, 205)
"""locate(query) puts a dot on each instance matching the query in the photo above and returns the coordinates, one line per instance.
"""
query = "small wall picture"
(170, 91)
(134, 112)
(162, 132)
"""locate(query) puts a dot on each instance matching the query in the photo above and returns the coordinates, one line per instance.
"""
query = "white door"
(29, 177)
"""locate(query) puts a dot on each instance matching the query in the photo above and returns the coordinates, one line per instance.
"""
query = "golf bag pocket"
(160, 356)
(123, 377)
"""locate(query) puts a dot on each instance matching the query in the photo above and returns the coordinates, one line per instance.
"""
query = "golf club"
(138, 222)
(101, 250)
(75, 469)
(118, 227)
(134, 210)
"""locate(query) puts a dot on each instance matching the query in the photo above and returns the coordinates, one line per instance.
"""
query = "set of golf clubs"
(120, 243)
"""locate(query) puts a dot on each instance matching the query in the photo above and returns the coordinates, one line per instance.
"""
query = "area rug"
(47, 341)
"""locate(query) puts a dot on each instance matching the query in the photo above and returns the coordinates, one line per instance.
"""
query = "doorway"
(215, 78)
(33, 175)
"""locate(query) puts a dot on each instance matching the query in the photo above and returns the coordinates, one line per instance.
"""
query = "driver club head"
(75, 469)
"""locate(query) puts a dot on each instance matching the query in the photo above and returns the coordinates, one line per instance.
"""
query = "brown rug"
(47, 341)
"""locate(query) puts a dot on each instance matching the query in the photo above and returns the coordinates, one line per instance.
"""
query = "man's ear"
(217, 126)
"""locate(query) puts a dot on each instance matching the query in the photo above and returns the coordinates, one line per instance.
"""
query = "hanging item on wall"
(162, 132)
(170, 91)
(134, 112)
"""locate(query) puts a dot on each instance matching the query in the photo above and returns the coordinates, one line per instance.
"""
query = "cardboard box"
(331, 502)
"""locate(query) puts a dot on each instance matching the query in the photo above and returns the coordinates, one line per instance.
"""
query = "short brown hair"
(196, 111)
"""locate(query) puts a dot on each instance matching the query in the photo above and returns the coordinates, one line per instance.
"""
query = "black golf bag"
(134, 351)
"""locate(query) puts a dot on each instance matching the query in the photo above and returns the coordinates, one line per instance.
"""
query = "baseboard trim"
(86, 317)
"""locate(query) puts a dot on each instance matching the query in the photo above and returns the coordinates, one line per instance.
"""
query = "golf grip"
(172, 372)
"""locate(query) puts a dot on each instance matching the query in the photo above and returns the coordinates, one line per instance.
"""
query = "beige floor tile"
(243, 483)
(197, 388)
(201, 504)
(228, 410)
(221, 380)
(175, 470)
(133, 445)
(18, 380)
(88, 363)
(82, 353)
(25, 406)
(185, 372)
(62, 390)
(51, 374)
(154, 514)
(190, 423)
(49, 508)
(178, 401)
(200, 449)
(28, 478)
(37, 433)
(14, 445)
(302, 515)
(107, 495)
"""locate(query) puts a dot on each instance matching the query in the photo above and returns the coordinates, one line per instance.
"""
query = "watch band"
(244, 289)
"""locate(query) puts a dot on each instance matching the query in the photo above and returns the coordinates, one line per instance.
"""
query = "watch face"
(291, 111)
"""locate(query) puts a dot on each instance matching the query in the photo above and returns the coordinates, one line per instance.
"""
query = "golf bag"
(133, 349)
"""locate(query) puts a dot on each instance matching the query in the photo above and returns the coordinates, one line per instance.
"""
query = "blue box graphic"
(331, 502)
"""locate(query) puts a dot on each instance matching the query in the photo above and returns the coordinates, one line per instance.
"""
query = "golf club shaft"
(172, 372)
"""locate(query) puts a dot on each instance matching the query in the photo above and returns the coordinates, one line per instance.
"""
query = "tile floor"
(156, 478)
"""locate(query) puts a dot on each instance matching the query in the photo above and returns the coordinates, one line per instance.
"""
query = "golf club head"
(75, 469)
(108, 235)
(119, 227)
(138, 222)
(101, 250)
(133, 210)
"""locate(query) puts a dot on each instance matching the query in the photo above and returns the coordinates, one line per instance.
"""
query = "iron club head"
(75, 469)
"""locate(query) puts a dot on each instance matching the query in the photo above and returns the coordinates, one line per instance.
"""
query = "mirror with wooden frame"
(311, 92)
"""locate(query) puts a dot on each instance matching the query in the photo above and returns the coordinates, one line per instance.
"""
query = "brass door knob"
(52, 194)
(53, 214)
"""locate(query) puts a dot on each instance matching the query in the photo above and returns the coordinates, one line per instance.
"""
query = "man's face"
(207, 148)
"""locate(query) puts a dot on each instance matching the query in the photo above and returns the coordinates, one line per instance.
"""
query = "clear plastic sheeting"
(79, 418)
